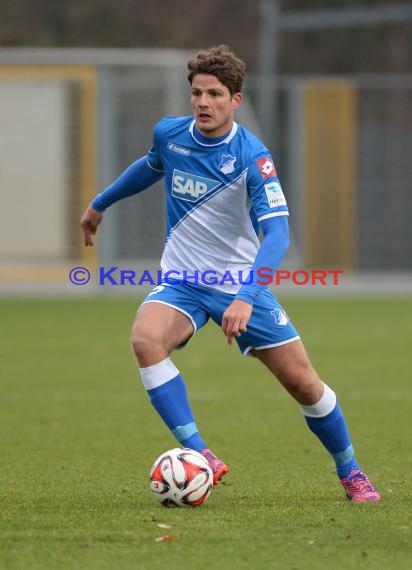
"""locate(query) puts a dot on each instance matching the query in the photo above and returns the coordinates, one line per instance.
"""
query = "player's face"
(213, 105)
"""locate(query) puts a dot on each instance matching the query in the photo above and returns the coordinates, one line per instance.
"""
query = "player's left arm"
(271, 212)
(271, 252)
(273, 248)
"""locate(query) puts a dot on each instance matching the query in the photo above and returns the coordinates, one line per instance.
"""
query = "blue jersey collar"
(206, 141)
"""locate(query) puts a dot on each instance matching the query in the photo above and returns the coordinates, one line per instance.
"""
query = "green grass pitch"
(78, 437)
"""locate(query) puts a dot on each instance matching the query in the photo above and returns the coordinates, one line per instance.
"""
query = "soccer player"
(221, 189)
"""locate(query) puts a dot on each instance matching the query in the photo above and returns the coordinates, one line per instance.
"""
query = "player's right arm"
(136, 178)
(141, 174)
(89, 224)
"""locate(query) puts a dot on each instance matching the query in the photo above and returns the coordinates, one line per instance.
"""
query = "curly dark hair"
(221, 62)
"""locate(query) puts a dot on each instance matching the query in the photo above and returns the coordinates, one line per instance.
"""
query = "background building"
(328, 89)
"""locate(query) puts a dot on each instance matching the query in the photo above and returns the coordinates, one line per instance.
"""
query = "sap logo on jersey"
(190, 186)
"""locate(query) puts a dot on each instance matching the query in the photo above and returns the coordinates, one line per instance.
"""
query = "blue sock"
(326, 420)
(168, 395)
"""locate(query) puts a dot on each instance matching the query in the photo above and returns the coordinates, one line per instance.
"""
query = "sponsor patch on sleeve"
(266, 167)
(275, 195)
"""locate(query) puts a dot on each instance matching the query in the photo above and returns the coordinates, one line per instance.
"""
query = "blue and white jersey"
(216, 190)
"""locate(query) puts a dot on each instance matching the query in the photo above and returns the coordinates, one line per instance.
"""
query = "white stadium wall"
(33, 170)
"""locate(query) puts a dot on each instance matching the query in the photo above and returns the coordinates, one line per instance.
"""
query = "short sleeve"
(264, 189)
(153, 158)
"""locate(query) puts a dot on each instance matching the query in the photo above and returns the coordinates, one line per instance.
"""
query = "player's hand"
(235, 319)
(89, 224)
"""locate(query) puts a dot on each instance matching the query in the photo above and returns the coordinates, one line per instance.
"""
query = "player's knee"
(304, 385)
(143, 342)
(308, 392)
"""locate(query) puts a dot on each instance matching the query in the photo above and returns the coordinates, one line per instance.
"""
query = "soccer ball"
(181, 478)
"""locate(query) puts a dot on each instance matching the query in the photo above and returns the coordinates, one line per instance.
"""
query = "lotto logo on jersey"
(191, 187)
(266, 167)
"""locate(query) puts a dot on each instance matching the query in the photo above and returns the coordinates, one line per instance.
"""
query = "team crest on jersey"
(281, 318)
(227, 164)
(190, 187)
(266, 167)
